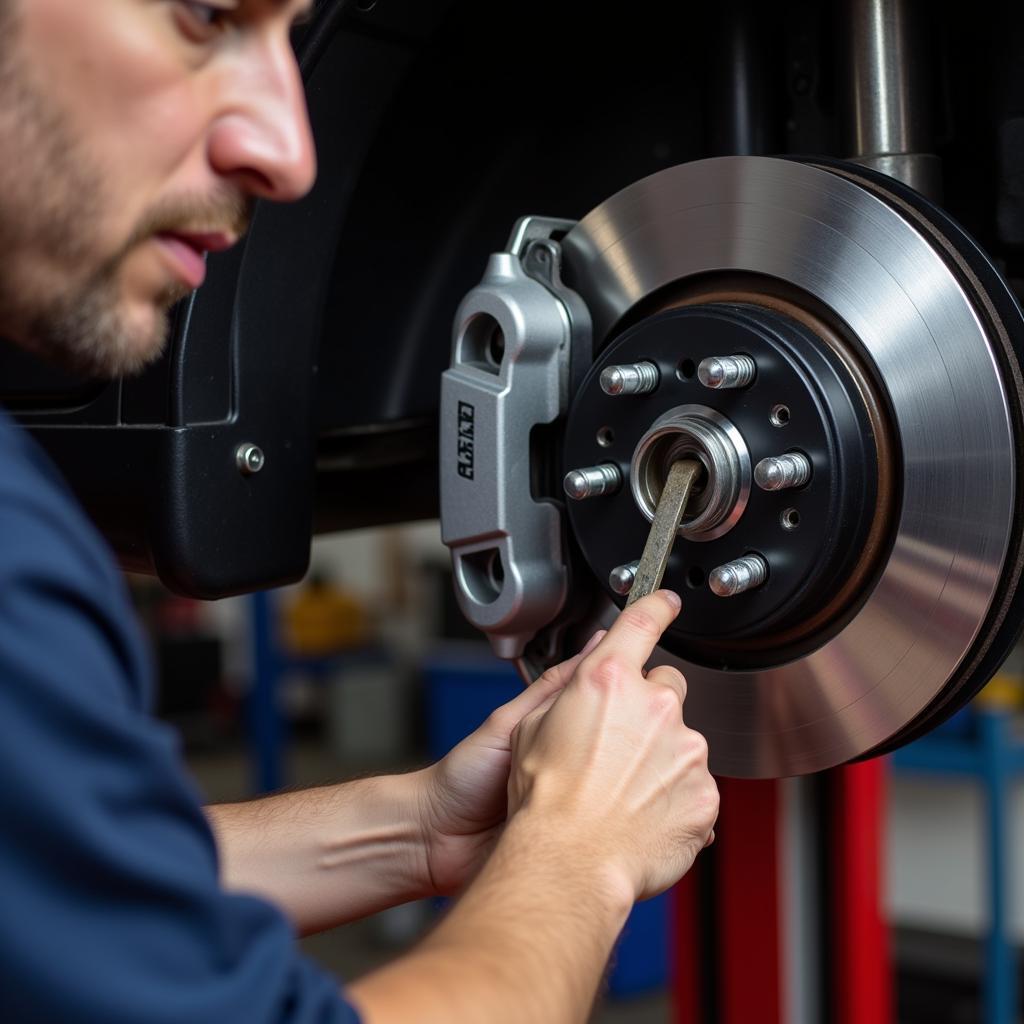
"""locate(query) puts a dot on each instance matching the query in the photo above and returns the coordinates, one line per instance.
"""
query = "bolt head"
(250, 458)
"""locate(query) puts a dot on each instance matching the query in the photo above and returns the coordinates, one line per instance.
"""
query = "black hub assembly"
(803, 399)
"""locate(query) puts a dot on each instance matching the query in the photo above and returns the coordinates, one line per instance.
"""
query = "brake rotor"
(894, 347)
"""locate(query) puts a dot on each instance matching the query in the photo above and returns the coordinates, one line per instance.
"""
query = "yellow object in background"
(323, 619)
(1004, 692)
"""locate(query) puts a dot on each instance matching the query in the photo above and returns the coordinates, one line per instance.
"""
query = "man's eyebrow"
(303, 15)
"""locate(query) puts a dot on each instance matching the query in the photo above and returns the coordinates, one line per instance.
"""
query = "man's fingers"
(666, 675)
(637, 630)
(549, 684)
(558, 675)
(533, 718)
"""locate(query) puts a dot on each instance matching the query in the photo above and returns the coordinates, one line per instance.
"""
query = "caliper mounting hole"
(483, 343)
(482, 575)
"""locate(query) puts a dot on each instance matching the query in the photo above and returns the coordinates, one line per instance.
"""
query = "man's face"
(135, 135)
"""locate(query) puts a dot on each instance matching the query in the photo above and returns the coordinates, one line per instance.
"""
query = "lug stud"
(592, 481)
(630, 379)
(621, 578)
(779, 472)
(726, 372)
(739, 576)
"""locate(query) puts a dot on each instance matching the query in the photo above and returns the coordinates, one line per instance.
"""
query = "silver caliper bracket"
(513, 339)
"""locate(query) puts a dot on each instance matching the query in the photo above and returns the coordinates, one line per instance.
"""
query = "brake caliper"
(516, 337)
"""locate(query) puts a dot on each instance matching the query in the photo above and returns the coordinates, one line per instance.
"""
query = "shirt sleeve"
(110, 906)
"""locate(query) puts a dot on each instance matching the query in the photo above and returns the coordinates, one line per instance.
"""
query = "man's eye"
(207, 15)
(204, 19)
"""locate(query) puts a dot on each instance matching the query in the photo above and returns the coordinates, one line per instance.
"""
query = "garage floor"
(354, 949)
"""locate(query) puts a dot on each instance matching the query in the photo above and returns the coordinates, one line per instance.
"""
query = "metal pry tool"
(667, 516)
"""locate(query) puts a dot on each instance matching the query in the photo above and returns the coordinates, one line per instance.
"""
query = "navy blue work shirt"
(110, 907)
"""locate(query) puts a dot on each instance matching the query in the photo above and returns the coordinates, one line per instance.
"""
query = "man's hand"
(609, 800)
(611, 767)
(334, 853)
(464, 796)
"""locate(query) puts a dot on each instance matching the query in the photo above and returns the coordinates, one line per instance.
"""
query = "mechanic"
(136, 134)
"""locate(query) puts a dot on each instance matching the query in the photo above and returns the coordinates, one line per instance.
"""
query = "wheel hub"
(801, 400)
(875, 568)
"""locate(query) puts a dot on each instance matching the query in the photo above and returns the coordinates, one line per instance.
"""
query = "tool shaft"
(667, 515)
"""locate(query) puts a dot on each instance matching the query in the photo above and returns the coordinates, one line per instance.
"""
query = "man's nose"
(263, 140)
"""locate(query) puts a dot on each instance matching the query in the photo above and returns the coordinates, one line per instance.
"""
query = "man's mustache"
(229, 212)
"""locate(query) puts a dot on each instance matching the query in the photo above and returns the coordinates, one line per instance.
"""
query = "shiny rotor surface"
(829, 237)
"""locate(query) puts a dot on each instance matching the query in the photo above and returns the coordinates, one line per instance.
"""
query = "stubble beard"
(53, 197)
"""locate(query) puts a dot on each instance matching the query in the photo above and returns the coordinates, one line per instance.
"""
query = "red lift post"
(739, 952)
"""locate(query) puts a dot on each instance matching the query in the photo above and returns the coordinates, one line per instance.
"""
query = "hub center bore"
(694, 432)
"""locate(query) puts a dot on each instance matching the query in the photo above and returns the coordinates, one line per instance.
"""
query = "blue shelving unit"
(267, 733)
(268, 730)
(991, 754)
